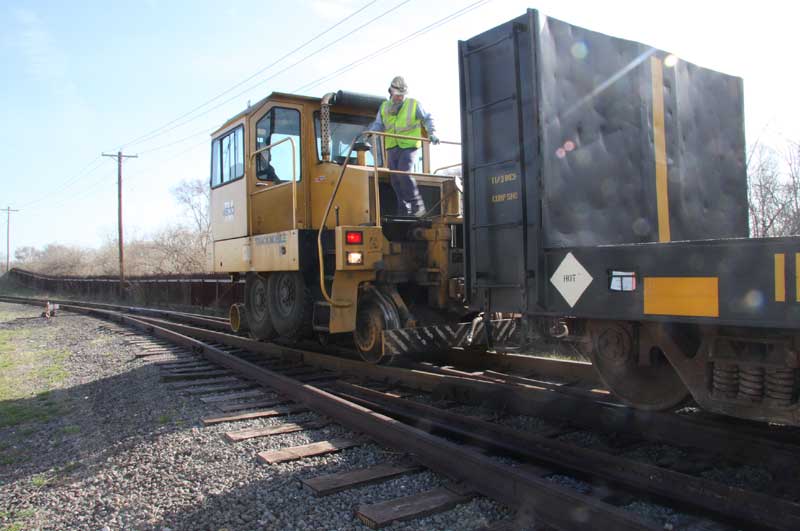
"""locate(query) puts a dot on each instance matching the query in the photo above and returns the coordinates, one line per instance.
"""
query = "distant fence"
(202, 290)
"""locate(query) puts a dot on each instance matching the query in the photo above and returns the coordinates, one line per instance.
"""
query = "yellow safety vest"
(403, 123)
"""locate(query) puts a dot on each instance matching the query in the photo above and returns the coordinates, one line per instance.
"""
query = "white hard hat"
(398, 86)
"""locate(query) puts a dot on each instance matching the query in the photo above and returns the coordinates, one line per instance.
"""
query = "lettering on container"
(505, 178)
(270, 239)
(508, 196)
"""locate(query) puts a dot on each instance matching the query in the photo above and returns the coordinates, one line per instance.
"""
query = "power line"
(60, 201)
(85, 172)
(203, 132)
(426, 29)
(388, 47)
(163, 162)
(158, 130)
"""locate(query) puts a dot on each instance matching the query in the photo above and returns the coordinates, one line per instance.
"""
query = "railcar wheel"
(290, 304)
(375, 314)
(257, 311)
(647, 382)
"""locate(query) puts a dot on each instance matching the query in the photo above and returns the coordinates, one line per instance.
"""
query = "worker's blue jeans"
(405, 186)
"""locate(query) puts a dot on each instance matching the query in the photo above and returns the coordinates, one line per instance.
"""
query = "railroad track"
(246, 379)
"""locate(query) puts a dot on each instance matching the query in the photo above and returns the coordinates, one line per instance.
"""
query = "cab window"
(275, 164)
(344, 128)
(227, 157)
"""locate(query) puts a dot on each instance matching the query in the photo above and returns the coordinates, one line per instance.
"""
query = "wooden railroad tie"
(208, 389)
(432, 501)
(195, 375)
(243, 435)
(293, 453)
(333, 483)
(256, 404)
(238, 395)
(264, 413)
(209, 381)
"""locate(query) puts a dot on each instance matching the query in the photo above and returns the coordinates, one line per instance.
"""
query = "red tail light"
(353, 237)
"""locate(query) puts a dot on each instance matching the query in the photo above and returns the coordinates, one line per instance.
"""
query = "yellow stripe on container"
(780, 278)
(660, 149)
(797, 275)
(686, 296)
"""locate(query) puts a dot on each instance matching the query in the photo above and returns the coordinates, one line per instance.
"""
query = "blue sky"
(84, 77)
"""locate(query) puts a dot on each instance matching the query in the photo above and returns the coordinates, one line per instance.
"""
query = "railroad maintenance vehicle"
(604, 201)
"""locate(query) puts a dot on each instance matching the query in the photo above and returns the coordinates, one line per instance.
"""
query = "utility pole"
(8, 210)
(119, 156)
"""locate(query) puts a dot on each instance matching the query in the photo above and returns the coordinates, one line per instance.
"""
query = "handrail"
(325, 295)
(294, 177)
(437, 170)
(323, 289)
(406, 137)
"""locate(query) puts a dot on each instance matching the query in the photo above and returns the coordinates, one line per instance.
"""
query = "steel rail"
(558, 506)
(739, 445)
(753, 508)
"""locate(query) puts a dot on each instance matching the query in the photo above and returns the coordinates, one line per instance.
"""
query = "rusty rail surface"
(377, 415)
(599, 415)
(558, 506)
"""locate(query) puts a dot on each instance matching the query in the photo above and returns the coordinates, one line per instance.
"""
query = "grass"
(39, 480)
(70, 467)
(26, 380)
(20, 519)
(164, 419)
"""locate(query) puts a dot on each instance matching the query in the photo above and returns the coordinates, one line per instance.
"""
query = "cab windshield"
(344, 128)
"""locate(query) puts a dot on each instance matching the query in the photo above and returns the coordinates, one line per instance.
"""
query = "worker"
(403, 116)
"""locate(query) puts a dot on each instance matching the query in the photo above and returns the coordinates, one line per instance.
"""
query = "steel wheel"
(290, 304)
(374, 315)
(645, 381)
(259, 319)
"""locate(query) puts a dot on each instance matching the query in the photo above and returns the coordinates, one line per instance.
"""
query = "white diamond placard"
(571, 279)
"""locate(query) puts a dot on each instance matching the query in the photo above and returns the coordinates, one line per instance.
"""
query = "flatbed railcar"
(604, 202)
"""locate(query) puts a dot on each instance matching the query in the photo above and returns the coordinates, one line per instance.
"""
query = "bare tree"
(194, 196)
(791, 216)
(768, 197)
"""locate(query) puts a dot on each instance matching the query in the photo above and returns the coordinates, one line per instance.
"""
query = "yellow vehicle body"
(280, 204)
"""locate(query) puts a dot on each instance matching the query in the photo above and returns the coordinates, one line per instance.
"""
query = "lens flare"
(579, 50)
(754, 300)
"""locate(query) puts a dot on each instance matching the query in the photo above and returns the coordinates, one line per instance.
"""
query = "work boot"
(418, 209)
(403, 209)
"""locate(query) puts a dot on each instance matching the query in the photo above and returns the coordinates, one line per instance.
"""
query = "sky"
(154, 78)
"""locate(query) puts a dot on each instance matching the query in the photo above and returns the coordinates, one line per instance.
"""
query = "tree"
(769, 197)
(25, 255)
(194, 196)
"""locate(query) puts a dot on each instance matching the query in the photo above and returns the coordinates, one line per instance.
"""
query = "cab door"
(277, 203)
(228, 185)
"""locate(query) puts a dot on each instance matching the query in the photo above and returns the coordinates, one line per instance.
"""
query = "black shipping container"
(572, 138)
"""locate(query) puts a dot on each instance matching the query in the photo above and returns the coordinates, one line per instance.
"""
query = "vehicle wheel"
(290, 304)
(647, 382)
(373, 317)
(259, 319)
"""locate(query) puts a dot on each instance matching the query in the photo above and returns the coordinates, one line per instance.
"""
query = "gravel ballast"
(122, 450)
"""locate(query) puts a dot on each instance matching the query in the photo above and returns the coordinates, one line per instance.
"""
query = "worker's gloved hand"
(434, 139)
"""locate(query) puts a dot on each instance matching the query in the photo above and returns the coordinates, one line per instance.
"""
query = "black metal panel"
(745, 269)
(598, 175)
(498, 109)
(706, 150)
(570, 113)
